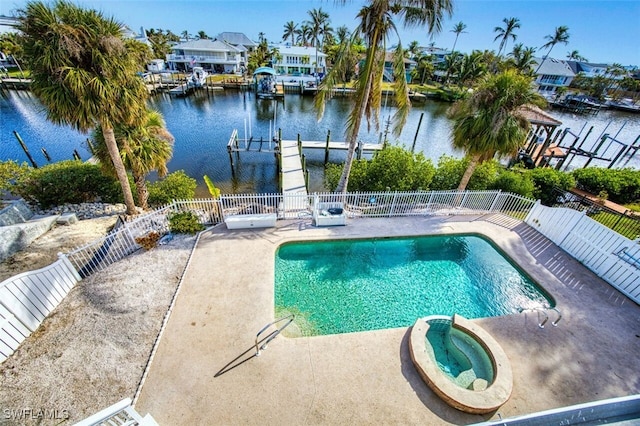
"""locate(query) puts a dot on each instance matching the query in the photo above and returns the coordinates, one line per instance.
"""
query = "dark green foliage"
(67, 182)
(449, 173)
(10, 172)
(184, 223)
(622, 185)
(517, 181)
(484, 175)
(545, 179)
(176, 186)
(393, 169)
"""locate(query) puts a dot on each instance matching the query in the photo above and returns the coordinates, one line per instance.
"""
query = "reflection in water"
(202, 125)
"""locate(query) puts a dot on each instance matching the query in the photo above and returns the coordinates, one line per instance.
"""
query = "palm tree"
(522, 58)
(83, 73)
(342, 34)
(413, 49)
(510, 25)
(561, 35)
(318, 25)
(202, 35)
(489, 122)
(143, 149)
(458, 29)
(375, 26)
(290, 31)
(575, 56)
(185, 35)
(304, 34)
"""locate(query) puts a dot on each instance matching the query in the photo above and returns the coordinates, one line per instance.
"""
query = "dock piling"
(25, 149)
(326, 149)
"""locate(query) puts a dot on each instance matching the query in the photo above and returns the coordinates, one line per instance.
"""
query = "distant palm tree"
(290, 31)
(202, 35)
(413, 49)
(83, 73)
(318, 25)
(304, 34)
(458, 29)
(490, 122)
(510, 25)
(143, 149)
(261, 37)
(375, 26)
(185, 35)
(472, 67)
(561, 35)
(522, 58)
(575, 56)
(342, 34)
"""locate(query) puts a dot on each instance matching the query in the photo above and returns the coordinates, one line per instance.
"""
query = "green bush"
(622, 185)
(10, 173)
(545, 179)
(393, 169)
(175, 186)
(184, 223)
(67, 182)
(516, 181)
(448, 173)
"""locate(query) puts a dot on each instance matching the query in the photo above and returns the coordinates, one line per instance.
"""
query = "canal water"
(202, 124)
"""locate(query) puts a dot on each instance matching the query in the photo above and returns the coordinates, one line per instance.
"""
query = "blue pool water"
(343, 286)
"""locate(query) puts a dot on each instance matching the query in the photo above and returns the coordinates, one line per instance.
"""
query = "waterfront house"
(299, 60)
(238, 40)
(553, 73)
(215, 56)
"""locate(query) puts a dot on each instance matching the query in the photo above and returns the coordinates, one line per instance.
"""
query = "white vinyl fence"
(614, 258)
(27, 299)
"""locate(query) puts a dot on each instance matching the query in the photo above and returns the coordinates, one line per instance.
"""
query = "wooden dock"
(293, 174)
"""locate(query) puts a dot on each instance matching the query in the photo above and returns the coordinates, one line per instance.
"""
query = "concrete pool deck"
(204, 371)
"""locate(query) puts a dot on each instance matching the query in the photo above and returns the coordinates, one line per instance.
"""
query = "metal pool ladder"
(273, 334)
(543, 311)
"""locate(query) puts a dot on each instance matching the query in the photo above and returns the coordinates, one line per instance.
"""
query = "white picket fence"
(614, 258)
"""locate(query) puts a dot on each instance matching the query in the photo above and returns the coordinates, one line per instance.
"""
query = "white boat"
(624, 105)
(198, 77)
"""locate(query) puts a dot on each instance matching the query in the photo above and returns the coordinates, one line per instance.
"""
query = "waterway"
(202, 125)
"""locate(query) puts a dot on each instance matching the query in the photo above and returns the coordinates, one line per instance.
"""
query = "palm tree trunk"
(118, 165)
(473, 162)
(543, 59)
(141, 189)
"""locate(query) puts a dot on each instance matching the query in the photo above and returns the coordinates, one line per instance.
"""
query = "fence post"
(393, 203)
(495, 200)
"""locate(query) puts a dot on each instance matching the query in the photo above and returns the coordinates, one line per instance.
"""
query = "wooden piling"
(25, 149)
(326, 149)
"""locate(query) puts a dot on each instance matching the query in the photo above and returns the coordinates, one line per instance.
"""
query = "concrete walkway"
(204, 372)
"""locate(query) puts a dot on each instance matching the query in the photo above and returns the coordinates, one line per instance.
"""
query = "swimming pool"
(342, 286)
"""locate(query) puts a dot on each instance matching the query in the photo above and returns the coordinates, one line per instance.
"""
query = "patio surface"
(368, 378)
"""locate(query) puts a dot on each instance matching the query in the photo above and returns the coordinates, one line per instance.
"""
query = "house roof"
(206, 45)
(299, 50)
(388, 57)
(552, 66)
(537, 116)
(235, 39)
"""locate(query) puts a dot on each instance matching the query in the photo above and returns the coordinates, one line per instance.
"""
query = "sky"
(603, 31)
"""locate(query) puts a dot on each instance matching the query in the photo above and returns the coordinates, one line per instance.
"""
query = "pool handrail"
(273, 334)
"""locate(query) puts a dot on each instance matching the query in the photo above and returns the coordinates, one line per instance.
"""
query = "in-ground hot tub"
(461, 363)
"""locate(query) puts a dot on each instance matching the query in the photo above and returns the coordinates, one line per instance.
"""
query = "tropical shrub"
(10, 172)
(175, 186)
(546, 179)
(184, 223)
(517, 181)
(66, 182)
(448, 173)
(621, 185)
(393, 169)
